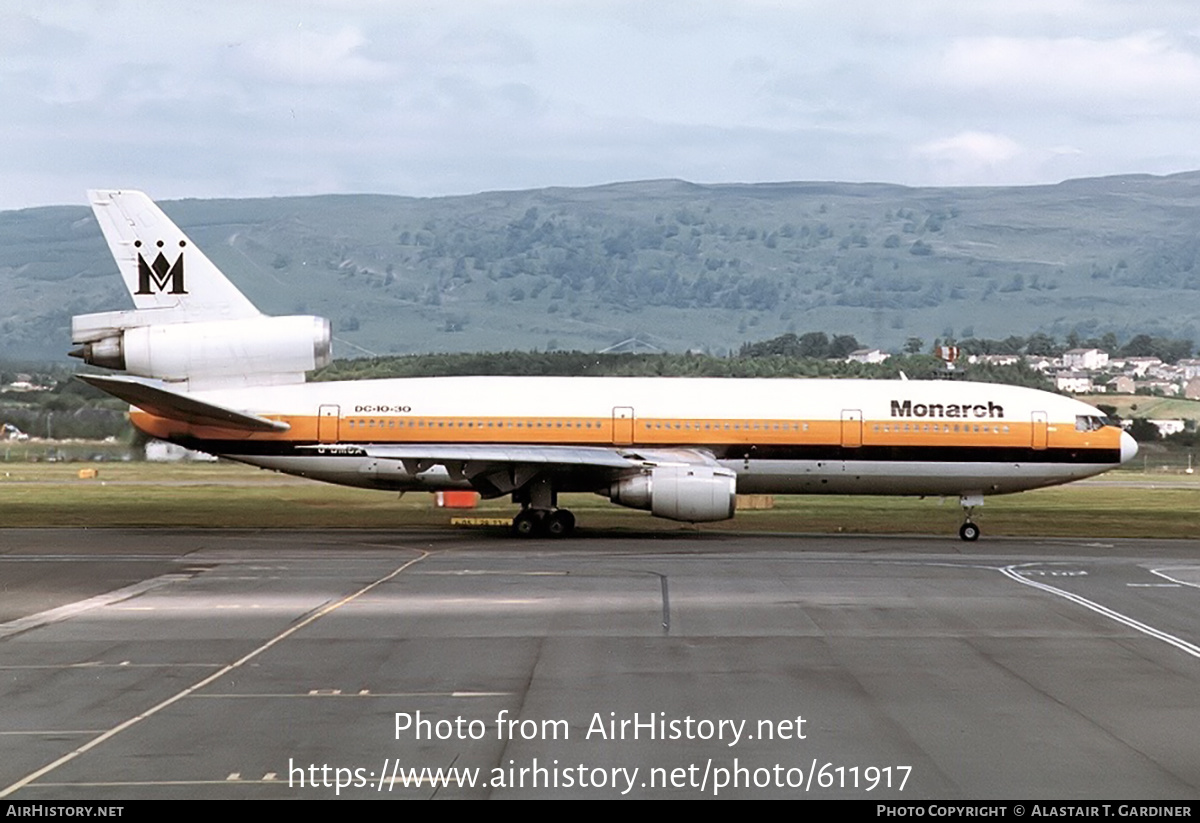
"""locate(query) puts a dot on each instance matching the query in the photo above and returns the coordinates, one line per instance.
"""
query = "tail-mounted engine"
(691, 493)
(257, 350)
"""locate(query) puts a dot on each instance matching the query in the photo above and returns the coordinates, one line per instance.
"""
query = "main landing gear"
(540, 515)
(531, 522)
(968, 531)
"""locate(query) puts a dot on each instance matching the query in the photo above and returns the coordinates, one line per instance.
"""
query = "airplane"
(205, 369)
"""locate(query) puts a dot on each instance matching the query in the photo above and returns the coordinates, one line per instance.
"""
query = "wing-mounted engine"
(691, 493)
(250, 351)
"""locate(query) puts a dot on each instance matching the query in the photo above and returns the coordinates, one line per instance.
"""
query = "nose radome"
(1129, 447)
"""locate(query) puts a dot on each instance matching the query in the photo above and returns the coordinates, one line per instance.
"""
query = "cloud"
(228, 98)
(314, 58)
(972, 147)
(1148, 67)
(482, 45)
(970, 157)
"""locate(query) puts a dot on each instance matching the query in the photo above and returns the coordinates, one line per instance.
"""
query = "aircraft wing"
(440, 455)
(153, 397)
(498, 469)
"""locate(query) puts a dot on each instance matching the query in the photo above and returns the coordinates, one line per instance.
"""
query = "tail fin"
(191, 327)
(161, 267)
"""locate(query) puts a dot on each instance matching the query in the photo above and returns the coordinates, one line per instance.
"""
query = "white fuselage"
(787, 436)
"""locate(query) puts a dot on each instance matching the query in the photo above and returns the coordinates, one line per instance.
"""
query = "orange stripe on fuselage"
(646, 431)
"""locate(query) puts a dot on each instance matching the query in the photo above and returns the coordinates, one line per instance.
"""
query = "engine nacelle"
(692, 493)
(264, 349)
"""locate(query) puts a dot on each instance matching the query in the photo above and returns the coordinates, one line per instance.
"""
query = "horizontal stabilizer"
(153, 398)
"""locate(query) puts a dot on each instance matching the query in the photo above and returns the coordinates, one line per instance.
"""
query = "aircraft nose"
(1129, 447)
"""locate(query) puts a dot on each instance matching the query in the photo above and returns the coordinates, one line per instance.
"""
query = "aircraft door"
(622, 425)
(1040, 430)
(328, 418)
(851, 428)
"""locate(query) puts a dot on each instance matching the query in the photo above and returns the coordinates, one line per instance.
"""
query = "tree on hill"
(1143, 431)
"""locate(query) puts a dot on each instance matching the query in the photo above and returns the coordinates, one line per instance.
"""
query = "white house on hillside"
(867, 356)
(1085, 359)
(1074, 382)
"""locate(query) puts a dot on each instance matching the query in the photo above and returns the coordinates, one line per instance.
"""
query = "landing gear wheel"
(560, 523)
(528, 523)
(969, 532)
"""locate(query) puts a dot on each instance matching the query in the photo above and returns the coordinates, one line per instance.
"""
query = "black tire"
(560, 523)
(528, 523)
(969, 532)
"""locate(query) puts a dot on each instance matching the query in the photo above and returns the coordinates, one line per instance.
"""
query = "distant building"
(1140, 365)
(10, 432)
(1085, 359)
(995, 359)
(1074, 382)
(1039, 362)
(1121, 384)
(632, 345)
(1158, 387)
(1165, 372)
(1192, 390)
(160, 451)
(25, 386)
(1166, 427)
(1190, 368)
(867, 356)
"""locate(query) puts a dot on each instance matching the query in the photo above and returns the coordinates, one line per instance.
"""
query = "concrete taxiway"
(235, 664)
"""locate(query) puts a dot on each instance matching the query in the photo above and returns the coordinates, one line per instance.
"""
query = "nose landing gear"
(968, 531)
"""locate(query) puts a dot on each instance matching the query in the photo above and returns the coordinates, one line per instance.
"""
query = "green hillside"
(677, 265)
(1155, 408)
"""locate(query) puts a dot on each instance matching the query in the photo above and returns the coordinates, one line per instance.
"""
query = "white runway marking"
(1014, 573)
(1174, 579)
(325, 693)
(153, 710)
(38, 732)
(70, 610)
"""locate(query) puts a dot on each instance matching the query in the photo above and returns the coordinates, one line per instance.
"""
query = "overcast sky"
(233, 99)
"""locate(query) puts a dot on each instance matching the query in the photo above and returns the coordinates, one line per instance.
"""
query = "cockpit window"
(1093, 422)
